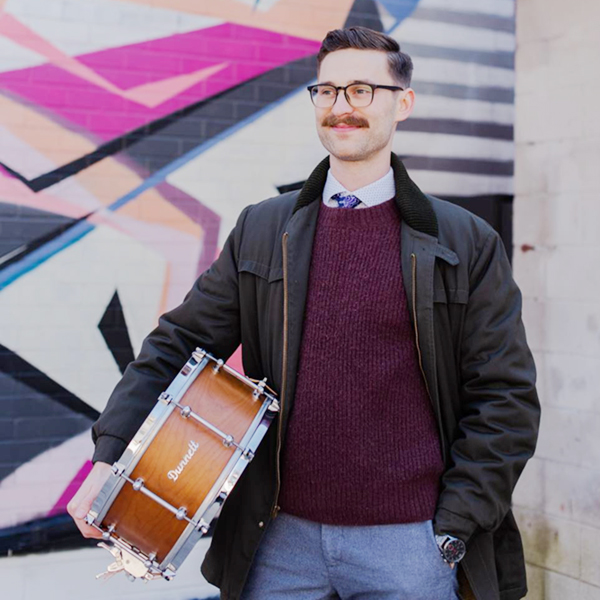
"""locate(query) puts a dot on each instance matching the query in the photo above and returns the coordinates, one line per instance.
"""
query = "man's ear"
(405, 104)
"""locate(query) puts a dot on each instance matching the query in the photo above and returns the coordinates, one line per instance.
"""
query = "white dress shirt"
(370, 195)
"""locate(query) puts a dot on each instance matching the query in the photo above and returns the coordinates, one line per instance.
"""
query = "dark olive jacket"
(479, 372)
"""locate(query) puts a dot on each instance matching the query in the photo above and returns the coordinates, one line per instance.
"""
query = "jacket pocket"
(267, 272)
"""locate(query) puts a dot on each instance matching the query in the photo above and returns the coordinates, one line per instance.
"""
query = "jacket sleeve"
(500, 414)
(209, 317)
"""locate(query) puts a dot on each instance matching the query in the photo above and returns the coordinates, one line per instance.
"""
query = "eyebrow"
(351, 83)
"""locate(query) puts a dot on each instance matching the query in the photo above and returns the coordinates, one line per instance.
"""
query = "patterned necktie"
(345, 200)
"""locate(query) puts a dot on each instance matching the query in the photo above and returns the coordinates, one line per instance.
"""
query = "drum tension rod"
(138, 486)
(186, 412)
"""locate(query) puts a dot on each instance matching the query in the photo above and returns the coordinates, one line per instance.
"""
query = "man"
(389, 323)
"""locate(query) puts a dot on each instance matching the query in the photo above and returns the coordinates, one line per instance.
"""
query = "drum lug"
(118, 469)
(260, 389)
(202, 526)
(165, 398)
(91, 517)
(199, 354)
(106, 534)
(218, 366)
(274, 406)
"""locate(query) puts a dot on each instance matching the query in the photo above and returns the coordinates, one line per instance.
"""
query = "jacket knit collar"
(414, 206)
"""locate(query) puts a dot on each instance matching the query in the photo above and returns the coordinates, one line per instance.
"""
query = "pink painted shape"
(155, 93)
(61, 504)
(235, 360)
(5, 173)
(106, 111)
(16, 192)
(150, 94)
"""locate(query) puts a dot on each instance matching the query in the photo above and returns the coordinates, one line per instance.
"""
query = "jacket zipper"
(275, 508)
(413, 258)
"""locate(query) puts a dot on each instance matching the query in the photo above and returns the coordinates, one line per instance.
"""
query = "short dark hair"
(400, 64)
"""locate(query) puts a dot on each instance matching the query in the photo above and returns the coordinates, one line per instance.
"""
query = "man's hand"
(82, 501)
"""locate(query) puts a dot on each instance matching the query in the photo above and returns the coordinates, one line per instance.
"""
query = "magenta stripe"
(249, 51)
(61, 505)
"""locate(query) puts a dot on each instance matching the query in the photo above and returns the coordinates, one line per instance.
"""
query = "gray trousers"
(303, 560)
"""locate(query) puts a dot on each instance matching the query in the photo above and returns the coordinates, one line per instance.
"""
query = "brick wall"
(556, 258)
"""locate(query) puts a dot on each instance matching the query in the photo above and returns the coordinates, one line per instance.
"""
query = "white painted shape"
(260, 5)
(21, 157)
(411, 143)
(460, 184)
(500, 8)
(78, 27)
(387, 20)
(439, 107)
(463, 73)
(70, 575)
(280, 147)
(30, 163)
(13, 56)
(447, 35)
(50, 315)
(34, 488)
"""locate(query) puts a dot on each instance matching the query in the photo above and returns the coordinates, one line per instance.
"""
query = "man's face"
(356, 134)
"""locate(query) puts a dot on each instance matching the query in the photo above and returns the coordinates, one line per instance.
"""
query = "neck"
(354, 175)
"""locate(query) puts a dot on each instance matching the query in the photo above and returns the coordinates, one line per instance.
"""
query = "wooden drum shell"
(228, 404)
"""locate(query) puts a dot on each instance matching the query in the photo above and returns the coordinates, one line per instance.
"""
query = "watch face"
(453, 550)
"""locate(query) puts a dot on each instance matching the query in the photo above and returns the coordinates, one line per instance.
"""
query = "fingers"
(82, 501)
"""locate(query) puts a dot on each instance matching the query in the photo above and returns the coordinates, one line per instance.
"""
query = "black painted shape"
(288, 187)
(496, 131)
(32, 422)
(25, 249)
(20, 370)
(460, 165)
(113, 328)
(213, 118)
(20, 225)
(495, 209)
(115, 146)
(50, 533)
(364, 13)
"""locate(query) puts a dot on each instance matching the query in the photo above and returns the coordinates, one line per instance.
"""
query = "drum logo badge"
(175, 473)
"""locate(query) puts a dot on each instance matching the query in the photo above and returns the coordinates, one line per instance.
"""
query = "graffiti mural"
(132, 133)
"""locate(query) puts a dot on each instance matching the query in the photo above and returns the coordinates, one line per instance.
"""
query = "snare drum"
(181, 465)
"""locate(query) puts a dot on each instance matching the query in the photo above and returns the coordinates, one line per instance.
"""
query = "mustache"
(332, 121)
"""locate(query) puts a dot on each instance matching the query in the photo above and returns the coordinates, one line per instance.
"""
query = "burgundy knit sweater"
(362, 447)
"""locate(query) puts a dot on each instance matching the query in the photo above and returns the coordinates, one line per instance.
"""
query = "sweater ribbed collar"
(414, 206)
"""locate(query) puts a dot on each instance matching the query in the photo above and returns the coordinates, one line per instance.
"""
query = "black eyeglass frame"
(337, 88)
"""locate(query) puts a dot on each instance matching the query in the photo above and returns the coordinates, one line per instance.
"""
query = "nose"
(341, 105)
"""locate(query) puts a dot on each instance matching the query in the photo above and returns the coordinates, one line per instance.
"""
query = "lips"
(344, 127)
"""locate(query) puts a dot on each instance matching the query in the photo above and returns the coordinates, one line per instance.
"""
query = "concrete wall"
(557, 262)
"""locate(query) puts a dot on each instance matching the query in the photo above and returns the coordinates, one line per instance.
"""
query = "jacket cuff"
(449, 523)
(108, 449)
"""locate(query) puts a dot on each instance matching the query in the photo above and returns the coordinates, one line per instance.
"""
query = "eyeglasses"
(358, 95)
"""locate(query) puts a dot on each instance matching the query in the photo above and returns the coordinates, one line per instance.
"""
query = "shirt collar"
(371, 195)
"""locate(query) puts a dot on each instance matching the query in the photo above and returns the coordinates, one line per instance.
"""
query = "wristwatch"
(451, 548)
